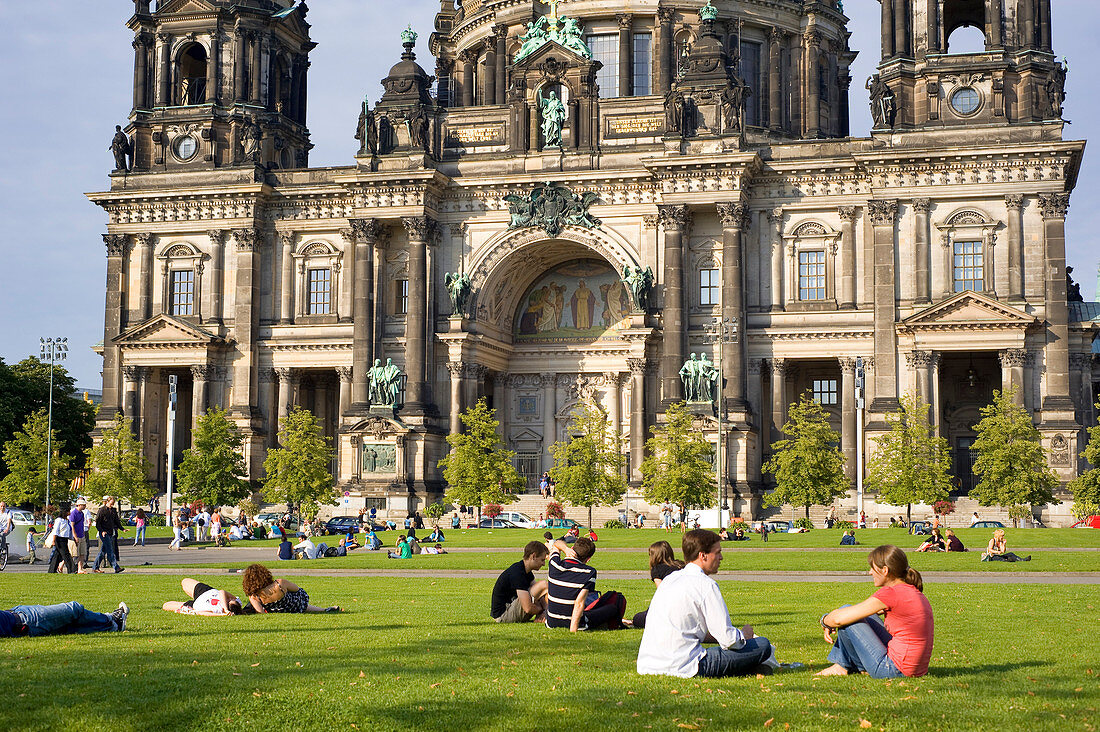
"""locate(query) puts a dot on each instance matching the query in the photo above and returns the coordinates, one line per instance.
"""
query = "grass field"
(421, 654)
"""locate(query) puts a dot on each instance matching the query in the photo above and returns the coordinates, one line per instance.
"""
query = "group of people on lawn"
(688, 611)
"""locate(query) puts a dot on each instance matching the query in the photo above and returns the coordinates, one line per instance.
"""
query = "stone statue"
(700, 379)
(572, 37)
(420, 129)
(1056, 88)
(708, 380)
(385, 384)
(374, 381)
(458, 287)
(251, 141)
(733, 100)
(675, 106)
(689, 377)
(640, 284)
(553, 118)
(532, 40)
(392, 376)
(122, 150)
(367, 132)
(883, 102)
(1073, 289)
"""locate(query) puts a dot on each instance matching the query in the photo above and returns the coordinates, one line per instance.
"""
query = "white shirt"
(7, 522)
(686, 608)
(62, 529)
(308, 547)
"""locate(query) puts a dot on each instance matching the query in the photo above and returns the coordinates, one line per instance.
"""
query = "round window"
(966, 101)
(186, 147)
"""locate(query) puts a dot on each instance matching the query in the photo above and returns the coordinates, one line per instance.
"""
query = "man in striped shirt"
(572, 585)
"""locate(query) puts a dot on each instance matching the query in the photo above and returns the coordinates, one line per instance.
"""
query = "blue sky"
(66, 69)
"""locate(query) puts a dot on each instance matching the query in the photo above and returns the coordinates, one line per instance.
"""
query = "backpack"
(611, 597)
(331, 551)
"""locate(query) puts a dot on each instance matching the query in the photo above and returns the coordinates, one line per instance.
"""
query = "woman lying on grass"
(205, 600)
(862, 642)
(269, 595)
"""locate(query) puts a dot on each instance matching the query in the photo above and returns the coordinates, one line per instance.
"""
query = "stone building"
(550, 145)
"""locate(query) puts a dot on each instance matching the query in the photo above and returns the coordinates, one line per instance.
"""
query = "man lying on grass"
(517, 597)
(687, 611)
(205, 600)
(61, 619)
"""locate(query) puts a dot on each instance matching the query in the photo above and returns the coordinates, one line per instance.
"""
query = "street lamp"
(859, 384)
(52, 350)
(725, 331)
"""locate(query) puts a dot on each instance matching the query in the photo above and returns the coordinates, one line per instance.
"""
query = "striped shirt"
(567, 578)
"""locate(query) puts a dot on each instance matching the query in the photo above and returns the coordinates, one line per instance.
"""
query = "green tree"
(588, 467)
(118, 466)
(1010, 459)
(479, 469)
(679, 466)
(808, 465)
(1086, 486)
(911, 463)
(297, 472)
(25, 459)
(213, 470)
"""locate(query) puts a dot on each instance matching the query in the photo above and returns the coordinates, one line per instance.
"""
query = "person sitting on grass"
(688, 610)
(571, 535)
(572, 601)
(739, 534)
(414, 545)
(259, 531)
(351, 542)
(371, 540)
(997, 550)
(724, 534)
(953, 542)
(662, 563)
(849, 538)
(934, 543)
(60, 619)
(403, 550)
(286, 549)
(205, 600)
(269, 595)
(306, 549)
(517, 597)
(436, 535)
(862, 642)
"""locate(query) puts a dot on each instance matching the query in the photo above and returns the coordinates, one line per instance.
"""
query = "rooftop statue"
(564, 31)
(458, 287)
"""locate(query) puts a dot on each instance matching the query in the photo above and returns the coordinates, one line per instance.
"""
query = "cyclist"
(7, 523)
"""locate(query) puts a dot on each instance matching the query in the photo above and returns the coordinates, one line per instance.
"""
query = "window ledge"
(811, 306)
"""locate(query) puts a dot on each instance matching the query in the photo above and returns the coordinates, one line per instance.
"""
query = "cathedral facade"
(579, 202)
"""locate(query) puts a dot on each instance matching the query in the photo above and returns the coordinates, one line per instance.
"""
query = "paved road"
(152, 559)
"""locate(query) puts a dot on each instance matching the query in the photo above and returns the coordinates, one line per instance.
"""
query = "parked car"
(987, 525)
(272, 519)
(1092, 522)
(521, 520)
(778, 527)
(341, 525)
(557, 523)
(920, 527)
(496, 523)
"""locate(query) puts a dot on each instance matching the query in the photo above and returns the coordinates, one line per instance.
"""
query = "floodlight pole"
(52, 350)
(860, 375)
(172, 382)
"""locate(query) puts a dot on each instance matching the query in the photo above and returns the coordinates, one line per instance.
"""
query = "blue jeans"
(68, 617)
(861, 646)
(719, 661)
(139, 537)
(108, 550)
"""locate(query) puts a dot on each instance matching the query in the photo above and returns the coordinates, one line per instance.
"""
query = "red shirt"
(909, 621)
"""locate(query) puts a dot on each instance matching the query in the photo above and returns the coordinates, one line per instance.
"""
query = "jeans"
(178, 537)
(718, 661)
(861, 646)
(108, 551)
(68, 617)
(139, 537)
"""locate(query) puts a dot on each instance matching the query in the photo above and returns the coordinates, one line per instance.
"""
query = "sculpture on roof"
(566, 32)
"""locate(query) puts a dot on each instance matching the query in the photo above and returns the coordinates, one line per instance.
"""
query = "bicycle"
(3, 553)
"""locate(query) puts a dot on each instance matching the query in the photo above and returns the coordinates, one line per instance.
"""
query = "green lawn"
(420, 654)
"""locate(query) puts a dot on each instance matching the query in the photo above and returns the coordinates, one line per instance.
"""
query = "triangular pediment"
(185, 6)
(551, 48)
(526, 435)
(966, 310)
(165, 330)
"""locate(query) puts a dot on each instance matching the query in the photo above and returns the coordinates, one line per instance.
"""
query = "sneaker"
(120, 614)
(333, 609)
(120, 569)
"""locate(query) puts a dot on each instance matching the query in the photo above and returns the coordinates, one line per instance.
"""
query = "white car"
(521, 520)
(17, 539)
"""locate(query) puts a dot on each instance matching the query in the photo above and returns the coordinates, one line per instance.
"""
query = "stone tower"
(923, 83)
(219, 83)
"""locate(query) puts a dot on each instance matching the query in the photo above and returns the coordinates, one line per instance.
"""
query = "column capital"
(288, 238)
(286, 375)
(468, 56)
(847, 364)
(457, 369)
(775, 216)
(344, 373)
(637, 366)
(922, 205)
(650, 221)
(674, 218)
(776, 34)
(1013, 357)
(217, 236)
(136, 373)
(666, 15)
(1053, 205)
(117, 244)
(367, 230)
(918, 359)
(248, 240)
(500, 31)
(755, 366)
(145, 239)
(1079, 361)
(1014, 201)
(734, 215)
(813, 38)
(419, 228)
(625, 21)
(163, 38)
(883, 213)
(202, 372)
(848, 213)
(268, 376)
(783, 368)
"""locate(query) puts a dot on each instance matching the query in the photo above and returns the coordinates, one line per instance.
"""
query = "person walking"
(80, 533)
(139, 526)
(107, 524)
(177, 533)
(61, 532)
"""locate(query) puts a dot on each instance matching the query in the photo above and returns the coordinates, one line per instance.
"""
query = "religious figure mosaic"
(583, 300)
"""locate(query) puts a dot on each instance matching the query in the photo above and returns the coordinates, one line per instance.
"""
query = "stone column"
(887, 29)
(249, 243)
(498, 397)
(847, 257)
(254, 87)
(675, 221)
(626, 56)
(782, 368)
(637, 416)
(286, 281)
(1081, 367)
(1053, 207)
(734, 216)
(270, 410)
(217, 278)
(775, 217)
(883, 217)
(287, 380)
(920, 377)
(131, 404)
(775, 80)
(813, 84)
(201, 374)
(456, 369)
(164, 80)
(901, 27)
(416, 319)
(212, 63)
(141, 69)
(664, 42)
(1044, 25)
(468, 58)
(240, 48)
(921, 292)
(145, 264)
(489, 82)
(848, 415)
(1015, 224)
(1012, 372)
(996, 35)
(500, 37)
(365, 233)
(345, 373)
(117, 246)
(549, 416)
(615, 396)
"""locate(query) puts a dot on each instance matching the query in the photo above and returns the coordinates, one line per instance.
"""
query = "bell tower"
(219, 83)
(927, 80)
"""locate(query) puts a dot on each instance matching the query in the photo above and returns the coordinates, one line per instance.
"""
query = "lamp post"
(725, 332)
(52, 350)
(860, 375)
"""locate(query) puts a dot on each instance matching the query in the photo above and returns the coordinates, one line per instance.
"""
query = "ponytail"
(897, 565)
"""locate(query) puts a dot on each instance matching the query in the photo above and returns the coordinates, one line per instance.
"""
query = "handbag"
(50, 540)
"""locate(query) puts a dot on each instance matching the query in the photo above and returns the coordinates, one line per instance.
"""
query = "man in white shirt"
(7, 522)
(688, 610)
(309, 549)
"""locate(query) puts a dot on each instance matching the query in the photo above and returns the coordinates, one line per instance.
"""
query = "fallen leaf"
(255, 665)
(682, 725)
(435, 685)
(361, 674)
(864, 723)
(256, 693)
(674, 691)
(769, 722)
(236, 674)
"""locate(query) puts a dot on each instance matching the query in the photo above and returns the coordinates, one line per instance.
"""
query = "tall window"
(643, 64)
(320, 291)
(969, 266)
(708, 287)
(527, 465)
(182, 293)
(811, 275)
(605, 49)
(824, 391)
(750, 74)
(401, 297)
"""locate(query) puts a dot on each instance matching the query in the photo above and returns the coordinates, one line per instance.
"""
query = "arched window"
(967, 16)
(966, 39)
(191, 84)
(319, 274)
(182, 285)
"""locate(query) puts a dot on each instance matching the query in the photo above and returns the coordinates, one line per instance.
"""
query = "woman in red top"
(862, 642)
